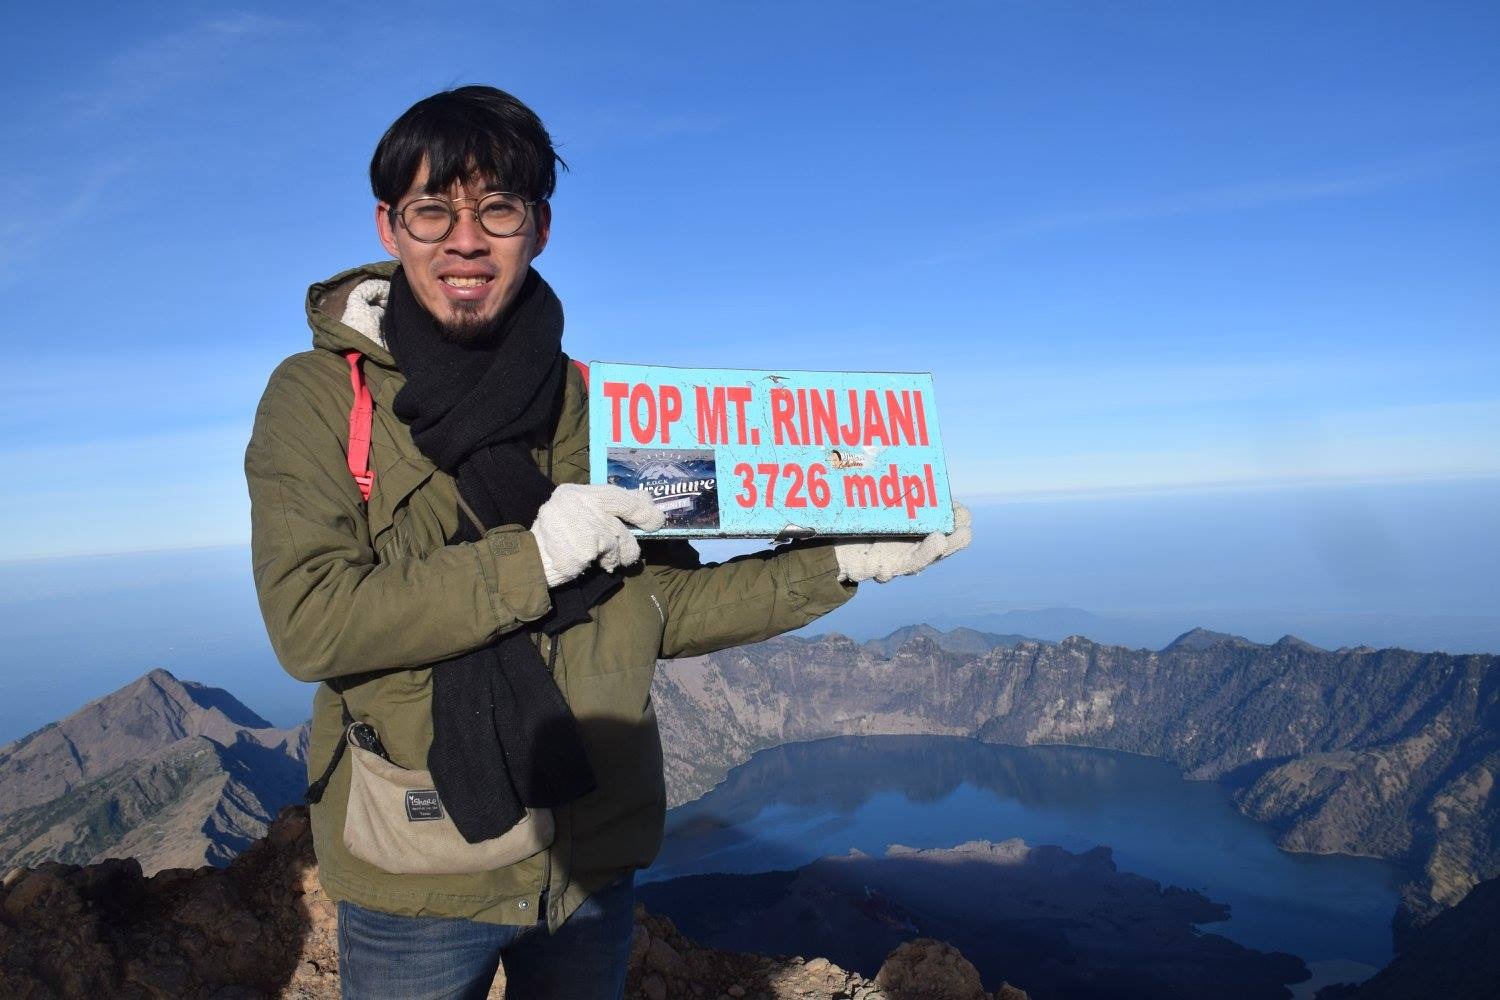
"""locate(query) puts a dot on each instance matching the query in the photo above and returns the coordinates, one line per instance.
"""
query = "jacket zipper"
(546, 914)
(551, 660)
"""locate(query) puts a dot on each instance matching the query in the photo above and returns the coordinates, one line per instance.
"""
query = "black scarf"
(503, 738)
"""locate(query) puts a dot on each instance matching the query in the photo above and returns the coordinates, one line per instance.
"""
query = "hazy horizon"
(1337, 567)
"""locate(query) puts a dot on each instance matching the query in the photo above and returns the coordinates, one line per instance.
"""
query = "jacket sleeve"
(332, 609)
(745, 599)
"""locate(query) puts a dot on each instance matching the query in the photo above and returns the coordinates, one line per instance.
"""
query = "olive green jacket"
(363, 596)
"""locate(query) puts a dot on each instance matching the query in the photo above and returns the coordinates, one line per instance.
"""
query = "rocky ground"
(665, 964)
(263, 928)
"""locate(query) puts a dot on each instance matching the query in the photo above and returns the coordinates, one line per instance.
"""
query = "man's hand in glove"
(882, 561)
(579, 524)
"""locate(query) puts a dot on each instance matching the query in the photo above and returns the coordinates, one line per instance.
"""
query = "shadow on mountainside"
(1247, 774)
(1055, 923)
(217, 699)
(1456, 956)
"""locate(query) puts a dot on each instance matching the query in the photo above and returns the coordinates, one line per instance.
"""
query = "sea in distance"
(792, 804)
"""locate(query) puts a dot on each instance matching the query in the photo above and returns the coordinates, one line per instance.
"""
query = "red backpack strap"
(583, 369)
(361, 414)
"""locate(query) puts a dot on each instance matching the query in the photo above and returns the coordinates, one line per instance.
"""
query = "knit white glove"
(883, 561)
(579, 524)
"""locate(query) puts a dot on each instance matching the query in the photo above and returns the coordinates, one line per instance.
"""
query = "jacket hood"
(345, 311)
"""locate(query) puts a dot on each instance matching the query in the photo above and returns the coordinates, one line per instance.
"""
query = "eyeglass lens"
(432, 219)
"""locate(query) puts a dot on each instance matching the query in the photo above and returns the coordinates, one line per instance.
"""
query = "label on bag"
(423, 804)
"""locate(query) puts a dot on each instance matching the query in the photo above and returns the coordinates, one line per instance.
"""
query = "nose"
(467, 238)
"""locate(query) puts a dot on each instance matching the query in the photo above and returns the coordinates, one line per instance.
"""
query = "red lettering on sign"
(615, 392)
(739, 395)
(671, 411)
(859, 490)
(642, 429)
(849, 433)
(900, 413)
(713, 415)
(782, 431)
(817, 484)
(912, 485)
(874, 420)
(825, 426)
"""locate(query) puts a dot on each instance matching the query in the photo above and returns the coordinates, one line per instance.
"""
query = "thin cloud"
(1366, 180)
(33, 222)
(153, 70)
(164, 63)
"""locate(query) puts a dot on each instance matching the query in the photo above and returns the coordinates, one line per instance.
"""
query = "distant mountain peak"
(954, 640)
(151, 712)
(911, 631)
(1292, 642)
(213, 711)
(1202, 638)
(157, 679)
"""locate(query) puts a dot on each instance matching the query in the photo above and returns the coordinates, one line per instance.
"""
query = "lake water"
(792, 804)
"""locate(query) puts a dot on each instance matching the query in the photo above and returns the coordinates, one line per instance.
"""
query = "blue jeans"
(387, 957)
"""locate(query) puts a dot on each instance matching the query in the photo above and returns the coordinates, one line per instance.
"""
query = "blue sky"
(1209, 292)
(1145, 247)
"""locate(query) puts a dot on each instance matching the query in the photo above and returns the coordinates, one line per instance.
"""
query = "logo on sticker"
(423, 804)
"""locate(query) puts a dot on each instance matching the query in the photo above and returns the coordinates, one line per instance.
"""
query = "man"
(486, 617)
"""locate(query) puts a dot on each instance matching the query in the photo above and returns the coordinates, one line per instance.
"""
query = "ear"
(384, 229)
(543, 213)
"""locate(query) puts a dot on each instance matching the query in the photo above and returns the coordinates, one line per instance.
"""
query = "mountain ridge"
(1389, 753)
(958, 640)
(173, 773)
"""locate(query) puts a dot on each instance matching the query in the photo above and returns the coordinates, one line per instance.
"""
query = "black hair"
(470, 133)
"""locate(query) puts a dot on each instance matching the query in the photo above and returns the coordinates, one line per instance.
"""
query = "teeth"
(466, 282)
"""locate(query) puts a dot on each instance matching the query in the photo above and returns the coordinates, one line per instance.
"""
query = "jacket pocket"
(389, 499)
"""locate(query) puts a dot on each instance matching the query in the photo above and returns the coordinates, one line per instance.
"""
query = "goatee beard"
(466, 328)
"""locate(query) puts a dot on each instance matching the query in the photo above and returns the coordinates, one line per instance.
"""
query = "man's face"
(468, 278)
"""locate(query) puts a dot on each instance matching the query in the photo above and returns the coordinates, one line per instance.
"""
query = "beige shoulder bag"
(396, 822)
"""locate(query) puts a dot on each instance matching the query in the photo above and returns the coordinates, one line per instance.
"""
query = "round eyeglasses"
(430, 220)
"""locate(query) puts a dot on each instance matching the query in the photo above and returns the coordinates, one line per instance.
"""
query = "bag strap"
(361, 415)
(314, 793)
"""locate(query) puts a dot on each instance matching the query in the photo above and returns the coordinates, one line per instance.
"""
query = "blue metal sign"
(730, 452)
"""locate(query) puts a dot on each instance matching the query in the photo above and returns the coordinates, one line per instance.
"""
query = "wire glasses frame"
(430, 220)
